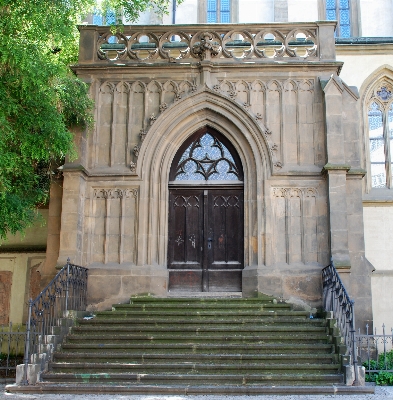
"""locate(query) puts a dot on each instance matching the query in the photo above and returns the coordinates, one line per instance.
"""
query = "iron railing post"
(67, 288)
(27, 345)
(354, 350)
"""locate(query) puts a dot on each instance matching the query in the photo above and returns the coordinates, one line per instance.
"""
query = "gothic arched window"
(218, 11)
(338, 10)
(208, 157)
(380, 129)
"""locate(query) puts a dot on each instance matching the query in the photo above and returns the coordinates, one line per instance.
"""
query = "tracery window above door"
(380, 129)
(206, 158)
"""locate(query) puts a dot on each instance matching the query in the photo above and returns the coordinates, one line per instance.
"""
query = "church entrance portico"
(215, 171)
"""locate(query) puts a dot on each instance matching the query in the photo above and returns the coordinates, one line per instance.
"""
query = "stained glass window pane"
(206, 159)
(331, 15)
(211, 11)
(384, 93)
(110, 18)
(378, 176)
(345, 24)
(225, 11)
(345, 29)
(97, 19)
(331, 10)
(330, 4)
(377, 148)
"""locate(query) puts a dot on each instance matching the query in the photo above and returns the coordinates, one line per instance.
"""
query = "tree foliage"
(40, 98)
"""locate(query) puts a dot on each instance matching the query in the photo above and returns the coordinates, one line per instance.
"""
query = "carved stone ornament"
(136, 150)
(106, 193)
(289, 192)
(268, 131)
(163, 107)
(274, 146)
(206, 48)
(177, 96)
(232, 93)
(194, 88)
(216, 88)
(132, 166)
(278, 164)
(142, 134)
(384, 93)
(246, 105)
(259, 117)
(152, 119)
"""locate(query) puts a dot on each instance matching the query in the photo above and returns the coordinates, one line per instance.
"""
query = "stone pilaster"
(72, 217)
(336, 170)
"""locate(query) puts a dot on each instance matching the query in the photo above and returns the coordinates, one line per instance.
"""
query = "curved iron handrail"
(66, 291)
(337, 300)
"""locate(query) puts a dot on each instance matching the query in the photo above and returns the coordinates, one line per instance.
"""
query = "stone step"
(197, 379)
(205, 298)
(216, 369)
(198, 338)
(213, 320)
(203, 313)
(314, 358)
(132, 388)
(198, 329)
(195, 348)
(201, 306)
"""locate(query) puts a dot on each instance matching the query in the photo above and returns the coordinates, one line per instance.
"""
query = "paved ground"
(383, 393)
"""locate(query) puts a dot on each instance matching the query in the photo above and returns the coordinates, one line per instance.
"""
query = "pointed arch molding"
(167, 134)
(382, 76)
(384, 72)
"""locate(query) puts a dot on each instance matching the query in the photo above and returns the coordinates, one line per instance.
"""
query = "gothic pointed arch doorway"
(206, 220)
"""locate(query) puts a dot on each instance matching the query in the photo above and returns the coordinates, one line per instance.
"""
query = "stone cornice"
(336, 167)
(133, 67)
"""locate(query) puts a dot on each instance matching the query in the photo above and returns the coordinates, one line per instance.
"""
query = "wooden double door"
(206, 245)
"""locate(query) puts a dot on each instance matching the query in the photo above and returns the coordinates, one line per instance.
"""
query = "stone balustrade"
(228, 43)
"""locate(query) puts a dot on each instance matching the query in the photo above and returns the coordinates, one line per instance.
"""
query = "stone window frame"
(354, 17)
(384, 106)
(203, 10)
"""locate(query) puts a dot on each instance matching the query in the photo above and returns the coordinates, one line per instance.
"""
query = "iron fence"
(337, 300)
(12, 345)
(66, 291)
(375, 351)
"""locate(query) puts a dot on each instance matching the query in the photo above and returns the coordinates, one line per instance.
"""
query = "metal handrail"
(66, 291)
(337, 300)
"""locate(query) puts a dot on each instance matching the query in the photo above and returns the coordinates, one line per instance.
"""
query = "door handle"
(209, 243)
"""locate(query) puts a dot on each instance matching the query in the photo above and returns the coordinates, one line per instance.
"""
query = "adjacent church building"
(236, 150)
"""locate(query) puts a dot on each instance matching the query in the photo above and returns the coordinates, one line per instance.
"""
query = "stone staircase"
(198, 342)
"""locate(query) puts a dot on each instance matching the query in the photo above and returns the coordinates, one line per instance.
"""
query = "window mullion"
(338, 29)
(218, 11)
(386, 138)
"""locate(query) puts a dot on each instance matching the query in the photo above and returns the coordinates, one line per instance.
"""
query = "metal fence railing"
(66, 291)
(375, 353)
(337, 300)
(12, 345)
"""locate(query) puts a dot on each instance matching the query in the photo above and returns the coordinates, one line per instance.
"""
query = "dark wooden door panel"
(226, 225)
(185, 226)
(205, 249)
